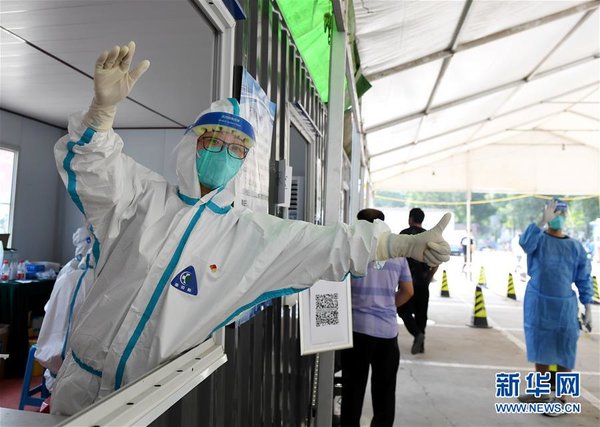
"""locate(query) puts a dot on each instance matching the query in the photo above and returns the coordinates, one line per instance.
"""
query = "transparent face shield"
(215, 139)
(561, 208)
(223, 140)
(558, 222)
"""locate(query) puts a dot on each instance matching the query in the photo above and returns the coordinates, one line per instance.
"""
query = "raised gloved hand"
(429, 247)
(548, 214)
(587, 317)
(112, 83)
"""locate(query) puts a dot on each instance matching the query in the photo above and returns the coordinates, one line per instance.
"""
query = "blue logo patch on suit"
(185, 281)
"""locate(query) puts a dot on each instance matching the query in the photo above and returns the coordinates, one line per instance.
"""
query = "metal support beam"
(479, 122)
(584, 7)
(584, 115)
(453, 43)
(469, 266)
(355, 171)
(552, 130)
(356, 112)
(530, 76)
(561, 42)
(335, 131)
(333, 185)
(339, 12)
(459, 148)
(478, 95)
(576, 141)
(445, 153)
(449, 151)
(360, 151)
(486, 39)
(559, 133)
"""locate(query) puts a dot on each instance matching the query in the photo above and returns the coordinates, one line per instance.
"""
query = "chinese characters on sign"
(537, 384)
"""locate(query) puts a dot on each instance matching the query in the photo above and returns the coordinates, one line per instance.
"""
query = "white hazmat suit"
(68, 294)
(173, 265)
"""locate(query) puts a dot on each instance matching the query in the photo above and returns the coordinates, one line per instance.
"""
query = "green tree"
(495, 217)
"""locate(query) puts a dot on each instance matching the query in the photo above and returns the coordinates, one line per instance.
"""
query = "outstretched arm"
(530, 238)
(429, 247)
(101, 181)
(548, 214)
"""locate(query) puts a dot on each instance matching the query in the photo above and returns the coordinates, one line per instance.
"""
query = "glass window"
(8, 173)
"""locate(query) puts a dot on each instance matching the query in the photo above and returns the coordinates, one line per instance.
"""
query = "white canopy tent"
(486, 96)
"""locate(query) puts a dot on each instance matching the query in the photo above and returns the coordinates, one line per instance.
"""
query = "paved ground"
(453, 382)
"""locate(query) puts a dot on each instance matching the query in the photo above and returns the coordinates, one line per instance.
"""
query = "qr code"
(327, 310)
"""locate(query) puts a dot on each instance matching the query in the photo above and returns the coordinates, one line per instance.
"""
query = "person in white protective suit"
(178, 262)
(68, 294)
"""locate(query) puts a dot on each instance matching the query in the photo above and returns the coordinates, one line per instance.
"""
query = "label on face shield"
(185, 281)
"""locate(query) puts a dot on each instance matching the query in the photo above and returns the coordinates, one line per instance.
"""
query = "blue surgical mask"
(216, 169)
(558, 223)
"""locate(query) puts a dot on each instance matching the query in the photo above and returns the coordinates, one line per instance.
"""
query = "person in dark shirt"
(414, 312)
(468, 246)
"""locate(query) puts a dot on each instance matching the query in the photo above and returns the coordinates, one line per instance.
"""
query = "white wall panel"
(35, 210)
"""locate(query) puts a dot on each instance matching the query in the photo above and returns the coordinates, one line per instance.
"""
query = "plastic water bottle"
(5, 273)
(21, 270)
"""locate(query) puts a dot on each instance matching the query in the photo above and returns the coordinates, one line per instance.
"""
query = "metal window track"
(143, 401)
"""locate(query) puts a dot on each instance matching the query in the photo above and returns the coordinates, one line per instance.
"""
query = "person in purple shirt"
(387, 285)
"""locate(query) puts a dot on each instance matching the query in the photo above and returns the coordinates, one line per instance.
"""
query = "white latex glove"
(587, 317)
(429, 247)
(112, 83)
(548, 214)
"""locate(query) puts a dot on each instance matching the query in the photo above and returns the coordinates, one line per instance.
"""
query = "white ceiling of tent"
(464, 89)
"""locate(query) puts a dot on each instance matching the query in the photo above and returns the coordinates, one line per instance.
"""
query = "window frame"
(11, 211)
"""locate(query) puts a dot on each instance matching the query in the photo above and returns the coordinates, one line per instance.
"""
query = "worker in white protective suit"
(68, 294)
(177, 263)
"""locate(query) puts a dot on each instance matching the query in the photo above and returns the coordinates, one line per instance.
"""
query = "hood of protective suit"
(187, 176)
(82, 240)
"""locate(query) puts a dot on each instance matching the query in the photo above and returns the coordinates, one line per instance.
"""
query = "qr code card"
(326, 312)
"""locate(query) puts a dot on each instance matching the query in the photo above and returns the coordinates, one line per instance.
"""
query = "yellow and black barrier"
(553, 369)
(596, 293)
(445, 291)
(510, 292)
(479, 318)
(482, 282)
